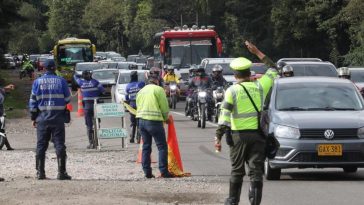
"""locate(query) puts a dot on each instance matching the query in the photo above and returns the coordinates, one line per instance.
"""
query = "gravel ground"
(108, 177)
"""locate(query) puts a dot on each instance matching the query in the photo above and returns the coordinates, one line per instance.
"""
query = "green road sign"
(109, 133)
(109, 110)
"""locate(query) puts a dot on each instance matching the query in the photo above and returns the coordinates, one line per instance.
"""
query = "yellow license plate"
(330, 150)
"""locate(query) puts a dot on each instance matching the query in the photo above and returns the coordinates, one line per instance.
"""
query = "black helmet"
(281, 64)
(200, 68)
(133, 67)
(287, 71)
(86, 74)
(217, 68)
(165, 67)
(133, 76)
(49, 64)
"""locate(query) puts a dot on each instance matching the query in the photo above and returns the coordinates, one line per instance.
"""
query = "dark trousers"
(153, 129)
(89, 116)
(248, 148)
(46, 132)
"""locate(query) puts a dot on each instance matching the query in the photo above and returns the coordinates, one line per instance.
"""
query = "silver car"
(319, 122)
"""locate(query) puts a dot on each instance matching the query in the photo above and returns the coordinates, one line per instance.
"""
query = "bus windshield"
(75, 53)
(184, 53)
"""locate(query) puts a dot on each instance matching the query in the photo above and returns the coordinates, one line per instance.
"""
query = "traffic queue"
(295, 113)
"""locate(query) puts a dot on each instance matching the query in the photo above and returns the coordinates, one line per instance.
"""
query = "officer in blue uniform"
(91, 89)
(47, 104)
(131, 91)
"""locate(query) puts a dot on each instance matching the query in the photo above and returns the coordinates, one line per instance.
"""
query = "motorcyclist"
(344, 72)
(170, 76)
(201, 81)
(131, 91)
(27, 67)
(287, 71)
(192, 74)
(216, 76)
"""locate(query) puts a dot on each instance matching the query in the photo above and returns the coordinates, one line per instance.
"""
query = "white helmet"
(343, 71)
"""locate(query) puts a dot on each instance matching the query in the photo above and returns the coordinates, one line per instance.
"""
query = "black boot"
(39, 166)
(62, 174)
(90, 134)
(7, 144)
(255, 192)
(234, 194)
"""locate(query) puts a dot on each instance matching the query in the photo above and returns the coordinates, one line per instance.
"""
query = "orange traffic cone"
(140, 152)
(79, 103)
(175, 166)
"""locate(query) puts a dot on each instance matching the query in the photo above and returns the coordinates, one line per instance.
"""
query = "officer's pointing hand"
(251, 47)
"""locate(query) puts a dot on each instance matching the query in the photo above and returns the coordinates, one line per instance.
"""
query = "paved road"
(296, 187)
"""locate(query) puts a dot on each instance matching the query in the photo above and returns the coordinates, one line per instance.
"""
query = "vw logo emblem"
(329, 134)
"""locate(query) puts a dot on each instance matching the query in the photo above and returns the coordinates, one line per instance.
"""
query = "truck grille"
(319, 133)
(313, 157)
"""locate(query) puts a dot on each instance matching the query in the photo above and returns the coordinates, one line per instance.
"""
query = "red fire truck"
(182, 47)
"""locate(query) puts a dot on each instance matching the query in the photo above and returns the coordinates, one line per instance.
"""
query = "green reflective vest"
(152, 103)
(237, 111)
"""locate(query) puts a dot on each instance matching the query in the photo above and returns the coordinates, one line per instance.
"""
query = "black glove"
(229, 138)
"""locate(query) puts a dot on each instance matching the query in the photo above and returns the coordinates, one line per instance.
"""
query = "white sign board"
(109, 110)
(109, 133)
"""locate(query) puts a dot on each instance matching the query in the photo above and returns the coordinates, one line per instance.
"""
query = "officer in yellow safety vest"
(152, 111)
(239, 122)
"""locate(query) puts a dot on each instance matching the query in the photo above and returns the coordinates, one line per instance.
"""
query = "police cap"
(240, 64)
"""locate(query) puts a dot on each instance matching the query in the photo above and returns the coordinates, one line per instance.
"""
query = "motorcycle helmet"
(87, 75)
(344, 72)
(281, 64)
(200, 70)
(155, 72)
(287, 71)
(133, 67)
(217, 70)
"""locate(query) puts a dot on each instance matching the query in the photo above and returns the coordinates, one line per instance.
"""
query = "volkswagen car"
(319, 122)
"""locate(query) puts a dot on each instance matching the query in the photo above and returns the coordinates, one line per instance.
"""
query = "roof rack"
(299, 59)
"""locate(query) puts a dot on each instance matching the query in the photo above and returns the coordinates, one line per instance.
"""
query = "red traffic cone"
(79, 103)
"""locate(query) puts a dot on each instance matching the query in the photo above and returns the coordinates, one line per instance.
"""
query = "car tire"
(350, 169)
(270, 173)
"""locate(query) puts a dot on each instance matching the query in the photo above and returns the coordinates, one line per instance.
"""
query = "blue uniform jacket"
(91, 90)
(50, 94)
(131, 91)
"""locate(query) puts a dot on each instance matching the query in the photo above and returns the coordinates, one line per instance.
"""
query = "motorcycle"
(218, 95)
(23, 73)
(172, 94)
(199, 112)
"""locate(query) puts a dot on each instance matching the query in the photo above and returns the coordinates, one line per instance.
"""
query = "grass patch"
(16, 99)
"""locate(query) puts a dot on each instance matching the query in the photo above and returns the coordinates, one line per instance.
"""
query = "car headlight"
(361, 133)
(121, 91)
(173, 87)
(202, 94)
(286, 132)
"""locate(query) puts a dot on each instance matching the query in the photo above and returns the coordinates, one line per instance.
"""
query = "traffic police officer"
(91, 89)
(132, 89)
(239, 122)
(152, 111)
(47, 104)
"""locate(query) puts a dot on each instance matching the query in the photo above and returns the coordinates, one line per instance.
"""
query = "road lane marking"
(182, 114)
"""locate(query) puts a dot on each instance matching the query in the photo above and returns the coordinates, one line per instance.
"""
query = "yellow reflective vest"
(237, 111)
(152, 103)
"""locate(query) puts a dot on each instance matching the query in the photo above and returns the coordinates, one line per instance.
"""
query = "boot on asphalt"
(234, 194)
(255, 192)
(62, 174)
(39, 166)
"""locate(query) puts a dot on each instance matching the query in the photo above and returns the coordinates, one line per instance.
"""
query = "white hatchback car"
(119, 90)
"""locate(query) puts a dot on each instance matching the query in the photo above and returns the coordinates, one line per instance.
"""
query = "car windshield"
(124, 78)
(104, 75)
(184, 53)
(71, 54)
(225, 66)
(82, 67)
(314, 70)
(317, 96)
(357, 76)
(33, 57)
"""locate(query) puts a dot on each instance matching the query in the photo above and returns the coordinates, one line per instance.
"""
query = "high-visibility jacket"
(237, 111)
(152, 103)
(170, 78)
(50, 94)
